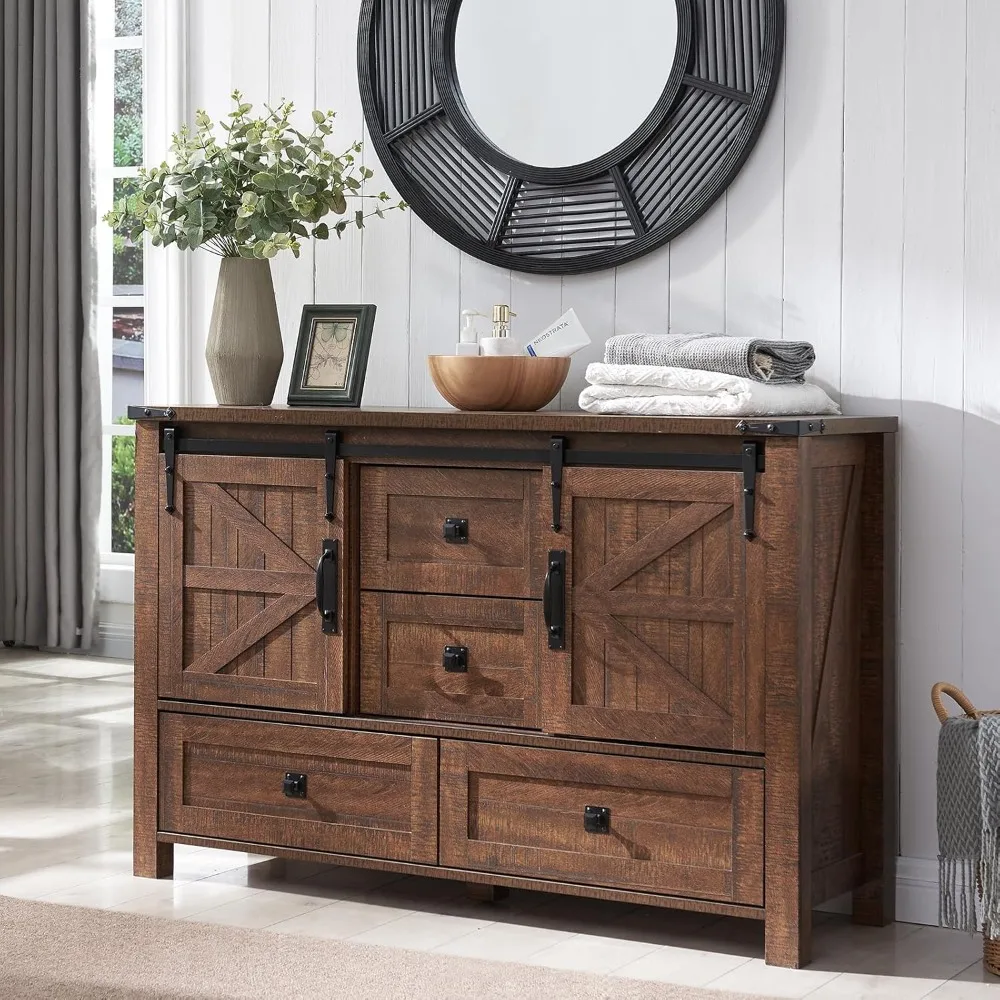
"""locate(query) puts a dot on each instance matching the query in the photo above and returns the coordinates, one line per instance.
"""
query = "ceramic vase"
(244, 350)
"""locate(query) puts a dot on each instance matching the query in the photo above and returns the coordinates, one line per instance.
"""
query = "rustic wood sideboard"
(643, 659)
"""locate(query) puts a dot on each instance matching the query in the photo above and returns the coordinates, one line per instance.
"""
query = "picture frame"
(331, 355)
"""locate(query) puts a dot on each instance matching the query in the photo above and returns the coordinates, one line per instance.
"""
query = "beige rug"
(50, 952)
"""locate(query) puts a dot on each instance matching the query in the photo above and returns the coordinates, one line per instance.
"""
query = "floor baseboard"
(917, 891)
(114, 640)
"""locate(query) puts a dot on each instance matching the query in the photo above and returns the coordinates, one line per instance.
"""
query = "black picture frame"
(721, 82)
(305, 388)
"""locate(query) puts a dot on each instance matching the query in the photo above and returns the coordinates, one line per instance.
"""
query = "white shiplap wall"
(867, 221)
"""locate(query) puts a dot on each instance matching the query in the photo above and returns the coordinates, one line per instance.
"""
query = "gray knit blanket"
(772, 361)
(968, 820)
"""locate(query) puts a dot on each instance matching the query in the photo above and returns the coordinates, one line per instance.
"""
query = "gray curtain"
(50, 441)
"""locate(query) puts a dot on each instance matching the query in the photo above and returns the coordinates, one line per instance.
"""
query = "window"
(118, 125)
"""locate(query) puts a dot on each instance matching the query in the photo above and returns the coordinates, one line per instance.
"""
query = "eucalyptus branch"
(256, 190)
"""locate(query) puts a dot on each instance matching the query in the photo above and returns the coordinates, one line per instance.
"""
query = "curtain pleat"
(49, 412)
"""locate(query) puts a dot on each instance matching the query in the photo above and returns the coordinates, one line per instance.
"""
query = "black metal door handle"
(456, 659)
(327, 584)
(294, 785)
(596, 819)
(554, 599)
(456, 530)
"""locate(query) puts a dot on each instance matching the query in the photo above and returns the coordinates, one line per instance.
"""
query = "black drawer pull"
(596, 819)
(294, 785)
(554, 600)
(456, 530)
(327, 584)
(456, 659)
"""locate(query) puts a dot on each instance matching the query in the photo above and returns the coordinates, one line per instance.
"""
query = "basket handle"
(957, 695)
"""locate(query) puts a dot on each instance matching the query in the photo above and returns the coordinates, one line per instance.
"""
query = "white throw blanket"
(647, 390)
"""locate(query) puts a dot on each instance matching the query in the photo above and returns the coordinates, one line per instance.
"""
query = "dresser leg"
(788, 946)
(153, 860)
(486, 893)
(874, 905)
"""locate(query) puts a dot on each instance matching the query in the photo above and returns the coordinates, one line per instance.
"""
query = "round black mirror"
(553, 138)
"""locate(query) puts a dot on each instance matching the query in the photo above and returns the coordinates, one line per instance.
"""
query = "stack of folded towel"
(704, 375)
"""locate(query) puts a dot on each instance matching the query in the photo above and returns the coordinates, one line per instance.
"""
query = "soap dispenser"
(468, 341)
(501, 343)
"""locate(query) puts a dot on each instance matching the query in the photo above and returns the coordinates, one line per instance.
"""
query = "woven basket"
(991, 946)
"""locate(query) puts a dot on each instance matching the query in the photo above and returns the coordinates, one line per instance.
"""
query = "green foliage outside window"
(123, 492)
(128, 17)
(128, 260)
(128, 107)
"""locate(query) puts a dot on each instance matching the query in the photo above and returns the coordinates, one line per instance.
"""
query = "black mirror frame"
(591, 216)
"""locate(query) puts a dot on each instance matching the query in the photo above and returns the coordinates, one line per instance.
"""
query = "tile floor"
(65, 837)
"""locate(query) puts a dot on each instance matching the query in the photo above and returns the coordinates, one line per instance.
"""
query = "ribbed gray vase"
(244, 350)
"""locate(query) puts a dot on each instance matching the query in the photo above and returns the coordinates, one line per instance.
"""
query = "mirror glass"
(554, 83)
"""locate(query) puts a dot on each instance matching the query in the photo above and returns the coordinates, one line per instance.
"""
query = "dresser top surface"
(547, 421)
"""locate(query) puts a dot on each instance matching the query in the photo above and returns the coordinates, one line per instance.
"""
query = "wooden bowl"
(498, 383)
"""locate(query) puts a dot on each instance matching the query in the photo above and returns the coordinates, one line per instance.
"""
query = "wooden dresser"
(644, 659)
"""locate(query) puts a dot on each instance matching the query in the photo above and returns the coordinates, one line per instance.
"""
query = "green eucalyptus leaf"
(252, 185)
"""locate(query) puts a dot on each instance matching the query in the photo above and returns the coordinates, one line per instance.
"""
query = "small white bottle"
(501, 344)
(468, 338)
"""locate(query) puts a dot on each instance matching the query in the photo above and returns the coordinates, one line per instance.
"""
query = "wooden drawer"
(403, 640)
(674, 828)
(403, 544)
(366, 793)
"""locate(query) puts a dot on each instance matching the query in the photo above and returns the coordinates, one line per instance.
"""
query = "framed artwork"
(331, 355)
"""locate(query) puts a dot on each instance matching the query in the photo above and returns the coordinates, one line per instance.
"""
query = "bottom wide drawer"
(633, 823)
(331, 790)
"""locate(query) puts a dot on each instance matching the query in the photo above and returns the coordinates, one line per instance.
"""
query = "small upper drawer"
(454, 659)
(369, 794)
(655, 826)
(448, 531)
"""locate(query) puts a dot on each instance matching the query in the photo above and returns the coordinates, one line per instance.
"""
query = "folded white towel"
(647, 390)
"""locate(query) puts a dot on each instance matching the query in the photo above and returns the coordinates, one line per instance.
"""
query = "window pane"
(128, 324)
(128, 17)
(127, 272)
(122, 493)
(127, 361)
(128, 107)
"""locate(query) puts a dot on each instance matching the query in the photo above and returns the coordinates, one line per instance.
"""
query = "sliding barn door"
(240, 558)
(655, 608)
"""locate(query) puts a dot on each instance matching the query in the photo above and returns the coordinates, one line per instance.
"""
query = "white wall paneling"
(866, 221)
(337, 262)
(642, 295)
(755, 219)
(385, 280)
(932, 391)
(981, 481)
(593, 298)
(814, 180)
(698, 274)
(872, 301)
(435, 302)
(292, 77)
